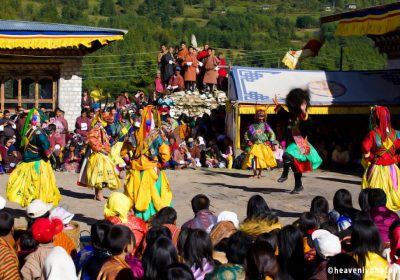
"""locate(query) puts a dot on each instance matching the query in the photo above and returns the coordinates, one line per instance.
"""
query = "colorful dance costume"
(33, 178)
(259, 137)
(146, 183)
(300, 155)
(100, 171)
(380, 160)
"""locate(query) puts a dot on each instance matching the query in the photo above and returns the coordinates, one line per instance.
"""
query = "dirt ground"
(227, 190)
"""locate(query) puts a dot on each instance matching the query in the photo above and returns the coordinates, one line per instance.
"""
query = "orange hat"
(44, 230)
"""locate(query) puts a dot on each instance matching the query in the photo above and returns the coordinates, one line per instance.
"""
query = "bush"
(306, 22)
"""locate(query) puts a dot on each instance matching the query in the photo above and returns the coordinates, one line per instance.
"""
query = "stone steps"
(195, 105)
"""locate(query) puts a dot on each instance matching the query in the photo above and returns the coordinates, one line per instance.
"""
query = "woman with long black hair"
(291, 253)
(158, 257)
(320, 208)
(259, 218)
(261, 262)
(366, 248)
(197, 253)
(343, 205)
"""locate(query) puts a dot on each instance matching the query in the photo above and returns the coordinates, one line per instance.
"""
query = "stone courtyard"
(227, 189)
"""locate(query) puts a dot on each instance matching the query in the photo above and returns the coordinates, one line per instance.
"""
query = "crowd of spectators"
(324, 243)
(192, 70)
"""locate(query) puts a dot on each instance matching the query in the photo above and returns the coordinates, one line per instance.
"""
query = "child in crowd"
(72, 158)
(56, 145)
(278, 153)
(120, 243)
(212, 157)
(159, 89)
(228, 155)
(10, 155)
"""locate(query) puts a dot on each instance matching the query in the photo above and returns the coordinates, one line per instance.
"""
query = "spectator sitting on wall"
(176, 82)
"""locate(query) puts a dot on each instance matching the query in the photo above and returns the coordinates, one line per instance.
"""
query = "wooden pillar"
(37, 93)
(2, 95)
(19, 91)
(54, 93)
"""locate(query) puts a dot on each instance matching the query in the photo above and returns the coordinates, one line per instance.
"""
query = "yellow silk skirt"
(101, 169)
(115, 153)
(33, 180)
(260, 156)
(386, 178)
(148, 188)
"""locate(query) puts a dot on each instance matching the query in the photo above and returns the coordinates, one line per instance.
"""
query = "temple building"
(380, 23)
(40, 63)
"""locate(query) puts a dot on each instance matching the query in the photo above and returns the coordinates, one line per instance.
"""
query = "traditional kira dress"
(381, 170)
(101, 169)
(147, 184)
(260, 155)
(34, 178)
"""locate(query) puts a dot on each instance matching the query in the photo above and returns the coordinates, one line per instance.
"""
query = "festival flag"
(311, 49)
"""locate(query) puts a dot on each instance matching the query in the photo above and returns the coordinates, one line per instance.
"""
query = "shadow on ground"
(343, 181)
(230, 174)
(285, 214)
(244, 188)
(84, 219)
(73, 194)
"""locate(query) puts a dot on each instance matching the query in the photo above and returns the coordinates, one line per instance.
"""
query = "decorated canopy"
(380, 23)
(377, 20)
(50, 36)
(336, 92)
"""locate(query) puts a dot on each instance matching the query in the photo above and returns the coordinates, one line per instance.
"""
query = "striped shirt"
(9, 262)
(115, 268)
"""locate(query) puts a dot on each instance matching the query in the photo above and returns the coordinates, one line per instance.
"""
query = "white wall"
(70, 90)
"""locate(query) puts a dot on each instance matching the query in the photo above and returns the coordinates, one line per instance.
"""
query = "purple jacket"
(204, 219)
(383, 218)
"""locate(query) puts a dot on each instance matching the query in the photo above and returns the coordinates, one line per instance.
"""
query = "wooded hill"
(250, 33)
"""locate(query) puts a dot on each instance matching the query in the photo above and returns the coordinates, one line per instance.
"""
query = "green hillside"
(250, 33)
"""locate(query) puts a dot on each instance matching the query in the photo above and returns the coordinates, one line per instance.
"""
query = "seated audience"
(204, 218)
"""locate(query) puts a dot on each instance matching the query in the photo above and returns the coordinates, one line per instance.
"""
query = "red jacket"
(177, 81)
(372, 144)
(222, 72)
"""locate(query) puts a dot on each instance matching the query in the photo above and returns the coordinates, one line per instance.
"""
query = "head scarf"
(380, 119)
(117, 205)
(59, 265)
(228, 216)
(102, 117)
(31, 120)
(221, 231)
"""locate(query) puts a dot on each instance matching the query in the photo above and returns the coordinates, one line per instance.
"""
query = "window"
(28, 89)
(28, 92)
(11, 89)
(45, 89)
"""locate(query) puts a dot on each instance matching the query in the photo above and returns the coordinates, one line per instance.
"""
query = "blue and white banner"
(259, 85)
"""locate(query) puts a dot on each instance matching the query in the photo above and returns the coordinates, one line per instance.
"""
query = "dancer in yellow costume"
(33, 178)
(380, 160)
(257, 137)
(146, 183)
(100, 171)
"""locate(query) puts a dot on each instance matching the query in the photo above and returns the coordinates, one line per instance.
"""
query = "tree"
(213, 5)
(107, 8)
(48, 12)
(180, 6)
(71, 14)
(306, 22)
